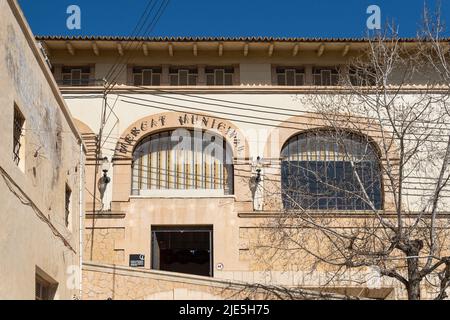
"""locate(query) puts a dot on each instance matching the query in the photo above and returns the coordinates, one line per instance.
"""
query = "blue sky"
(277, 18)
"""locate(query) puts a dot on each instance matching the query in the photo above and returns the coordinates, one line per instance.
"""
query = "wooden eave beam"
(321, 50)
(70, 48)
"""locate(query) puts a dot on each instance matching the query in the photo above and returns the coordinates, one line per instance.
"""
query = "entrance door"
(183, 249)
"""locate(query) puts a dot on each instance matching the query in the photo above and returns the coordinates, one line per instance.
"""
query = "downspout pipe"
(81, 208)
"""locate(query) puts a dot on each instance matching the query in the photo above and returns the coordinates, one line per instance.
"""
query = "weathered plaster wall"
(32, 206)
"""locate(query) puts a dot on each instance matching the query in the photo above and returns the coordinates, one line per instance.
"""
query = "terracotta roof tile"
(205, 39)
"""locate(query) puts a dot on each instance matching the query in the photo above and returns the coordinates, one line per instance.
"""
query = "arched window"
(328, 170)
(180, 160)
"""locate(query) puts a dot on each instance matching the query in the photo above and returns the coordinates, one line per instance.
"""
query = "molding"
(194, 194)
(262, 89)
(332, 214)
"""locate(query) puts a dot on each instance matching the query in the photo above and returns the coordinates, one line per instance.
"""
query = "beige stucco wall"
(266, 115)
(127, 229)
(33, 235)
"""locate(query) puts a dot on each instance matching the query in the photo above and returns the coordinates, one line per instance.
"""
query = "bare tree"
(369, 189)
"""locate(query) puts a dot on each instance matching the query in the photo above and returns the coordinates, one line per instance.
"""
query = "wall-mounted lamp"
(256, 185)
(258, 168)
(104, 180)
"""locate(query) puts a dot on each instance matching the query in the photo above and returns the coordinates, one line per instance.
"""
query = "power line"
(239, 119)
(135, 32)
(150, 27)
(280, 111)
(257, 106)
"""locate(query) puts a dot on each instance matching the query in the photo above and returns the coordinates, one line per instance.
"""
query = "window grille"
(19, 122)
(192, 160)
(320, 171)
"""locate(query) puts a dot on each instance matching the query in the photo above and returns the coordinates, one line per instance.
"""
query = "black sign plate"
(137, 260)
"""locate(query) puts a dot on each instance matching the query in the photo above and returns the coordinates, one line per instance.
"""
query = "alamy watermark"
(374, 20)
(73, 22)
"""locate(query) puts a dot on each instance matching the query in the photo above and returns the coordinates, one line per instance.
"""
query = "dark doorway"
(183, 249)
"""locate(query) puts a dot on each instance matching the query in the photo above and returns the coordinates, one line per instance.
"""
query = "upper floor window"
(76, 76)
(219, 76)
(328, 76)
(326, 170)
(183, 76)
(182, 159)
(290, 76)
(144, 76)
(44, 289)
(18, 136)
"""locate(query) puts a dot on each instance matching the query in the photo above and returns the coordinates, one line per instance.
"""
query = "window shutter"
(192, 79)
(147, 77)
(67, 79)
(219, 77)
(210, 79)
(85, 79)
(76, 77)
(290, 77)
(326, 77)
(137, 79)
(228, 79)
(183, 77)
(174, 79)
(281, 79)
(156, 79)
(299, 79)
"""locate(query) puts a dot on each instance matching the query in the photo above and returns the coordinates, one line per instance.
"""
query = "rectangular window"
(76, 76)
(67, 206)
(44, 289)
(219, 76)
(183, 249)
(18, 136)
(144, 76)
(328, 76)
(183, 76)
(290, 76)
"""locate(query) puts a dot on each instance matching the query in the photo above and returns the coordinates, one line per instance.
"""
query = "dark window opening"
(19, 121)
(185, 250)
(44, 289)
(68, 196)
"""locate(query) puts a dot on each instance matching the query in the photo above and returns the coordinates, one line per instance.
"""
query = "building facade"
(41, 168)
(187, 141)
